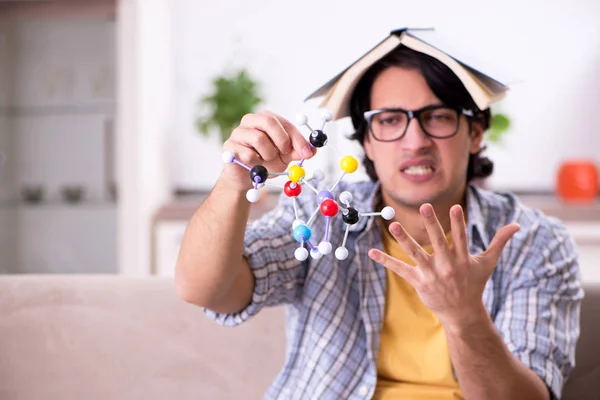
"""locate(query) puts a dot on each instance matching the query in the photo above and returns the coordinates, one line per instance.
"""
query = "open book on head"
(484, 89)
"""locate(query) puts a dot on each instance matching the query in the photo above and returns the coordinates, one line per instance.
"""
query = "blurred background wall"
(551, 49)
(103, 95)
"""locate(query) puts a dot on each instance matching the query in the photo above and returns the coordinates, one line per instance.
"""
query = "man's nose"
(415, 138)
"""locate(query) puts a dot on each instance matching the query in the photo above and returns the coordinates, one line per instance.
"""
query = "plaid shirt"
(335, 308)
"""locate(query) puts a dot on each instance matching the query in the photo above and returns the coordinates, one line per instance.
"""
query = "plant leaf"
(233, 97)
(499, 125)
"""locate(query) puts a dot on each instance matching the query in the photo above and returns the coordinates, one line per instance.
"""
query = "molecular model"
(326, 202)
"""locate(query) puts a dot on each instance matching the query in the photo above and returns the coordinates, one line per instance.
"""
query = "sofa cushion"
(108, 337)
(584, 382)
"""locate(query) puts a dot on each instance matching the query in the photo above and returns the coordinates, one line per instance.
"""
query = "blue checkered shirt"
(335, 308)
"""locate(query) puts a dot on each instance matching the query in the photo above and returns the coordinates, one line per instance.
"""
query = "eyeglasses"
(437, 121)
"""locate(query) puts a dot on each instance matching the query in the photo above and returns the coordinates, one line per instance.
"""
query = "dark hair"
(444, 84)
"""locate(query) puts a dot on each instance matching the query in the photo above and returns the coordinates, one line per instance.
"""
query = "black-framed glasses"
(437, 121)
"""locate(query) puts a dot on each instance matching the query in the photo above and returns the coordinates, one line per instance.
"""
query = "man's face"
(418, 169)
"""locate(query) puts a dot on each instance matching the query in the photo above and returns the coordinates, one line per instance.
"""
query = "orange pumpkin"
(577, 181)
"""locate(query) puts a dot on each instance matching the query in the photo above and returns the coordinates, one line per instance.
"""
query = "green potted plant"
(233, 96)
(499, 125)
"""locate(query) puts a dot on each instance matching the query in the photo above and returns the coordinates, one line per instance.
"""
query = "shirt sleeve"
(539, 312)
(269, 247)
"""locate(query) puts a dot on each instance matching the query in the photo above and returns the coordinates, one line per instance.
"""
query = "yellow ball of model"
(349, 164)
(296, 173)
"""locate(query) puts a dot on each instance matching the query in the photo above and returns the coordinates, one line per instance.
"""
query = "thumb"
(301, 148)
(499, 241)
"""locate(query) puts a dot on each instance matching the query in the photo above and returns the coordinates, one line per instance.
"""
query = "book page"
(467, 56)
(337, 98)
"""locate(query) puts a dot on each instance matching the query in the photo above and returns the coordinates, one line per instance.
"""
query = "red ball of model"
(292, 189)
(329, 208)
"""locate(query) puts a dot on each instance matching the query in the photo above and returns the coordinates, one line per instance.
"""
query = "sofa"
(93, 337)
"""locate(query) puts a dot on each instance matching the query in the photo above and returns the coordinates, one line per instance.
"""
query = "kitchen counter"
(182, 208)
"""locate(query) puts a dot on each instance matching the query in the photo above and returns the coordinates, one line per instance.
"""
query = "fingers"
(300, 147)
(409, 245)
(257, 140)
(435, 232)
(272, 137)
(271, 128)
(459, 233)
(245, 154)
(499, 241)
(398, 267)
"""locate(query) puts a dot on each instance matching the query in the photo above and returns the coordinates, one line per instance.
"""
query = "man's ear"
(476, 136)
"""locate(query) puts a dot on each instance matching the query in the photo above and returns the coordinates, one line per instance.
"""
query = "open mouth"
(418, 170)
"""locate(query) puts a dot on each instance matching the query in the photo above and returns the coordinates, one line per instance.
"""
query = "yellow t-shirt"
(413, 361)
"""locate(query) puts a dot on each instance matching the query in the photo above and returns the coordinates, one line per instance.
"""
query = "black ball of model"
(318, 140)
(259, 172)
(351, 217)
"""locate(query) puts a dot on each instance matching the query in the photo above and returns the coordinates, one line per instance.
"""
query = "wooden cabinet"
(55, 238)
(168, 236)
(57, 111)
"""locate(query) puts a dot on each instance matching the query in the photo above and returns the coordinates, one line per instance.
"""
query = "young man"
(466, 294)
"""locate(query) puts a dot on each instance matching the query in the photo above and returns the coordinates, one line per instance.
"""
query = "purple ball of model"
(324, 194)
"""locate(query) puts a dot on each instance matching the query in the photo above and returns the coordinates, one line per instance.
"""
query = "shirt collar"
(366, 199)
(477, 215)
